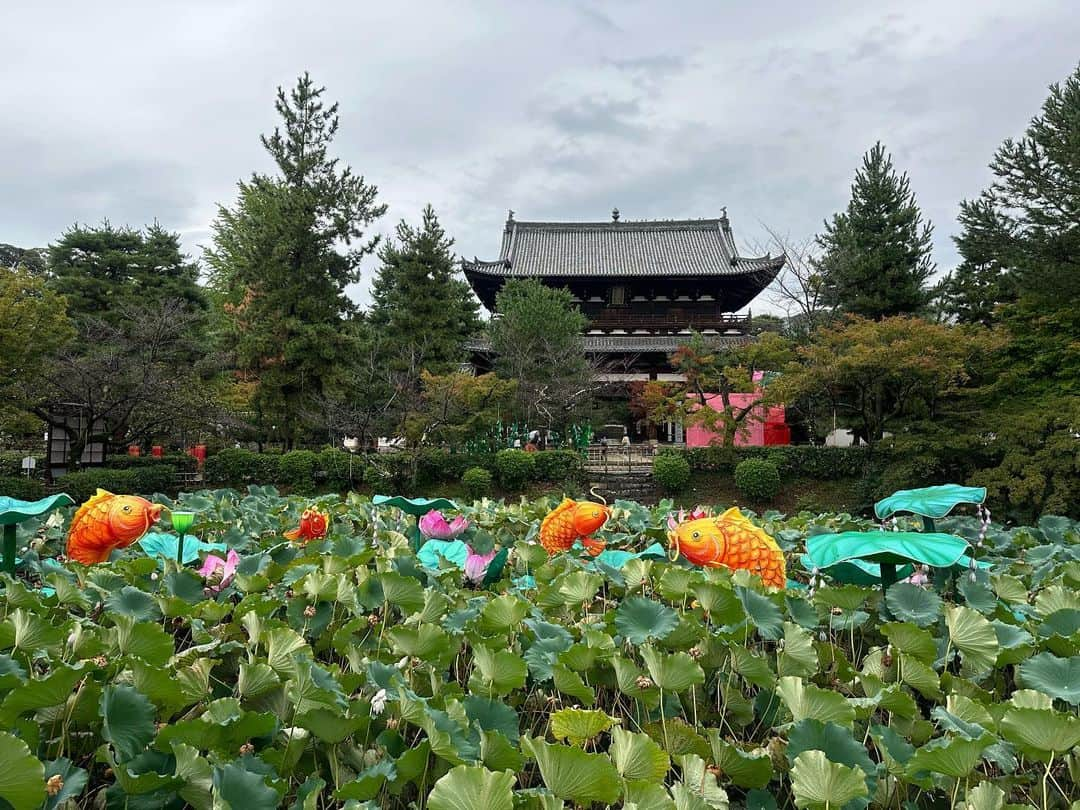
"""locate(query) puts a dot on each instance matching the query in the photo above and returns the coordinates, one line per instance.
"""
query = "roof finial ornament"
(614, 214)
(510, 215)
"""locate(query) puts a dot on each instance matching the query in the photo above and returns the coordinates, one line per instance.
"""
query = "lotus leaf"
(932, 502)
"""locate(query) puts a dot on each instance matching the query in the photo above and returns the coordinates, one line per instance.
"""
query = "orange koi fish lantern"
(106, 522)
(729, 541)
(572, 520)
(313, 526)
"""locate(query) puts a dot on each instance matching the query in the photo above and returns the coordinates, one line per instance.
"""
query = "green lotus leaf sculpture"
(856, 572)
(167, 546)
(14, 511)
(929, 502)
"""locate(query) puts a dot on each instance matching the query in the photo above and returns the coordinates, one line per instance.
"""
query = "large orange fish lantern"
(106, 522)
(573, 520)
(313, 526)
(729, 541)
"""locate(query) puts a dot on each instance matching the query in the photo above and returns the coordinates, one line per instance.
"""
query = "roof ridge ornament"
(615, 214)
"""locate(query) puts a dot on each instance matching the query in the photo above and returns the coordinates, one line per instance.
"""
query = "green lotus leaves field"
(354, 672)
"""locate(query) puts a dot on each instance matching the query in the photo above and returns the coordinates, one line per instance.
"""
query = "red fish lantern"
(106, 522)
(313, 526)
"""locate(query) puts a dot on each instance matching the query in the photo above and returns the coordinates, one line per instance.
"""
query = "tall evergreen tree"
(876, 258)
(276, 262)
(425, 311)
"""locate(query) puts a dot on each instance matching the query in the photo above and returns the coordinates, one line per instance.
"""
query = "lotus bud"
(643, 682)
(309, 612)
(378, 704)
(54, 785)
(247, 748)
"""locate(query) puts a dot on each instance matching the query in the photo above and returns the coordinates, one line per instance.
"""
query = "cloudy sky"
(559, 109)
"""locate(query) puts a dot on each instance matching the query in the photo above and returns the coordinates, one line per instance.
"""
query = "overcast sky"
(139, 110)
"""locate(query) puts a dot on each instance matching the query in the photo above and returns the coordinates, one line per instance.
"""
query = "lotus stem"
(9, 549)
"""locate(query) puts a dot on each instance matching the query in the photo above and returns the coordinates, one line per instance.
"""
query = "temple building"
(644, 285)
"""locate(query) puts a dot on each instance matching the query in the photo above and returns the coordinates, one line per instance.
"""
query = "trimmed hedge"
(757, 479)
(180, 461)
(296, 469)
(234, 466)
(514, 468)
(143, 481)
(558, 465)
(792, 461)
(671, 471)
(11, 464)
(477, 482)
(21, 488)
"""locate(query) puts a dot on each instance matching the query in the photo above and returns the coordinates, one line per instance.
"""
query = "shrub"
(81, 485)
(376, 477)
(557, 465)
(477, 482)
(234, 466)
(156, 478)
(11, 463)
(297, 470)
(21, 488)
(514, 468)
(757, 479)
(671, 471)
(181, 461)
(339, 470)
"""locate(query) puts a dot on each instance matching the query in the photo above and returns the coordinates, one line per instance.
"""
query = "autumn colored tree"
(711, 369)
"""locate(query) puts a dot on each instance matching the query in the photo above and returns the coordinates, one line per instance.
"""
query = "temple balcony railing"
(655, 322)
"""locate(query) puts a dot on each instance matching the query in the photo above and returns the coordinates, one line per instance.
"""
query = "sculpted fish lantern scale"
(730, 540)
(107, 522)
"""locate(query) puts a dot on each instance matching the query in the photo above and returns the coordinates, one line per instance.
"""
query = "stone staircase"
(633, 485)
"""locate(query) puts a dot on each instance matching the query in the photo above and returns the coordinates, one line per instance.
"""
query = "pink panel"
(753, 434)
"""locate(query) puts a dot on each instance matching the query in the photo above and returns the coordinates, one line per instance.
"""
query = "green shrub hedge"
(296, 470)
(11, 464)
(671, 471)
(235, 467)
(514, 468)
(477, 482)
(21, 488)
(143, 481)
(757, 479)
(558, 465)
(794, 461)
(180, 461)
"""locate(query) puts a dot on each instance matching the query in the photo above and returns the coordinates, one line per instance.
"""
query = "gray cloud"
(560, 110)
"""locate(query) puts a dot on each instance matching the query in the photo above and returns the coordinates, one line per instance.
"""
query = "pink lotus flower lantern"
(476, 565)
(433, 525)
(217, 572)
(694, 514)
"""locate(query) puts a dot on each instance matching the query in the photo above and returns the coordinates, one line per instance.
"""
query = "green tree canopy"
(278, 264)
(876, 254)
(102, 269)
(424, 310)
(537, 339)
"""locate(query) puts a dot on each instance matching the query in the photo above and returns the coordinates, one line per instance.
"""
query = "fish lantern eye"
(696, 535)
(127, 509)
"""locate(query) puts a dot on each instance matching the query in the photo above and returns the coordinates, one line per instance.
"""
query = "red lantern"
(133, 450)
(157, 451)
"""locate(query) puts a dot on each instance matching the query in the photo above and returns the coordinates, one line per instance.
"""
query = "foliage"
(671, 471)
(105, 271)
(876, 254)
(21, 488)
(81, 485)
(876, 374)
(454, 408)
(558, 465)
(33, 325)
(344, 671)
(477, 482)
(757, 480)
(278, 268)
(514, 468)
(419, 303)
(537, 342)
(237, 466)
(297, 468)
(710, 368)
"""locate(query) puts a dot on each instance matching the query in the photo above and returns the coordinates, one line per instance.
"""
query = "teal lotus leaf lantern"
(617, 558)
(887, 550)
(414, 507)
(929, 503)
(14, 512)
(166, 546)
(856, 572)
(456, 552)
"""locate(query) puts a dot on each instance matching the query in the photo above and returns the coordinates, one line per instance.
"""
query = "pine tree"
(277, 266)
(876, 258)
(425, 312)
(104, 270)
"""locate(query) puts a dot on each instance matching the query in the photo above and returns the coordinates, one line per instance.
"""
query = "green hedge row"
(21, 488)
(792, 461)
(329, 469)
(138, 481)
(181, 461)
(11, 464)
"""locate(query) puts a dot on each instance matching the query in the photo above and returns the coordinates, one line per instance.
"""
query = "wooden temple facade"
(644, 285)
